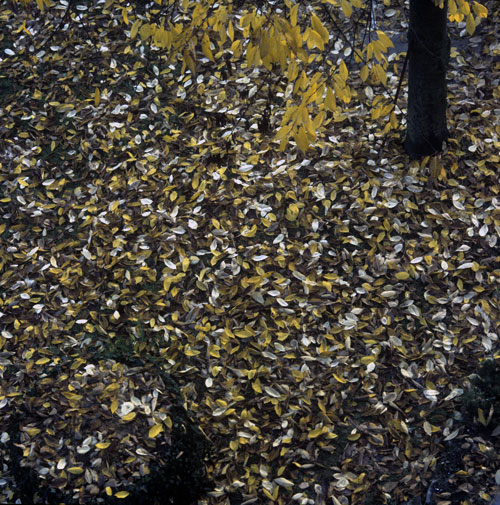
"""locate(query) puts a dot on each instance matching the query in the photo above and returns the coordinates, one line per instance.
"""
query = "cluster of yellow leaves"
(458, 10)
(275, 41)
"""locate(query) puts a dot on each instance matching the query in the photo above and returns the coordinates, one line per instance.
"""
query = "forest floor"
(322, 312)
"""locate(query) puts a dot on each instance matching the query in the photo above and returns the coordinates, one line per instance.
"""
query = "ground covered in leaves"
(322, 312)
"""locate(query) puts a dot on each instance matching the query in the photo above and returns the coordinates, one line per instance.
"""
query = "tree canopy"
(203, 184)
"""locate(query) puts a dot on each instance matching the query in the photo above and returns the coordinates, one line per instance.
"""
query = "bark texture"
(429, 52)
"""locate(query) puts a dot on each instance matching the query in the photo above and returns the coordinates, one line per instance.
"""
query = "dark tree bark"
(428, 52)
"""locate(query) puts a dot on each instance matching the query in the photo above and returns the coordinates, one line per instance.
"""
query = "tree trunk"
(429, 51)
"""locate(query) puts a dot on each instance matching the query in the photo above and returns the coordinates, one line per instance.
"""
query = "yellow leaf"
(346, 8)
(318, 120)
(301, 139)
(185, 264)
(256, 386)
(76, 470)
(195, 181)
(125, 16)
(293, 14)
(114, 406)
(343, 72)
(253, 55)
(380, 74)
(318, 27)
(292, 212)
(315, 433)
(135, 29)
(283, 143)
(331, 277)
(316, 40)
(188, 60)
(161, 38)
(480, 417)
(97, 97)
(470, 24)
(129, 416)
(428, 428)
(366, 360)
(306, 120)
(246, 19)
(364, 73)
(122, 494)
(103, 445)
(2, 228)
(155, 430)
(243, 334)
(330, 100)
(265, 44)
(166, 284)
(342, 93)
(319, 93)
(339, 379)
(73, 397)
(109, 491)
(384, 39)
(32, 431)
(480, 10)
(42, 361)
(283, 131)
(302, 82)
(145, 31)
(394, 121)
(205, 47)
(297, 38)
(402, 276)
(376, 112)
(249, 232)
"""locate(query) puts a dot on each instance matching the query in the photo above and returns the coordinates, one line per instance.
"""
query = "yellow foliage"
(319, 28)
(293, 14)
(135, 29)
(470, 24)
(146, 31)
(205, 47)
(330, 99)
(155, 430)
(315, 40)
(480, 10)
(364, 73)
(302, 142)
(346, 8)
(343, 72)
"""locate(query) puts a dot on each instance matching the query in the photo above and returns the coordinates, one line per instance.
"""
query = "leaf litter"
(321, 312)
